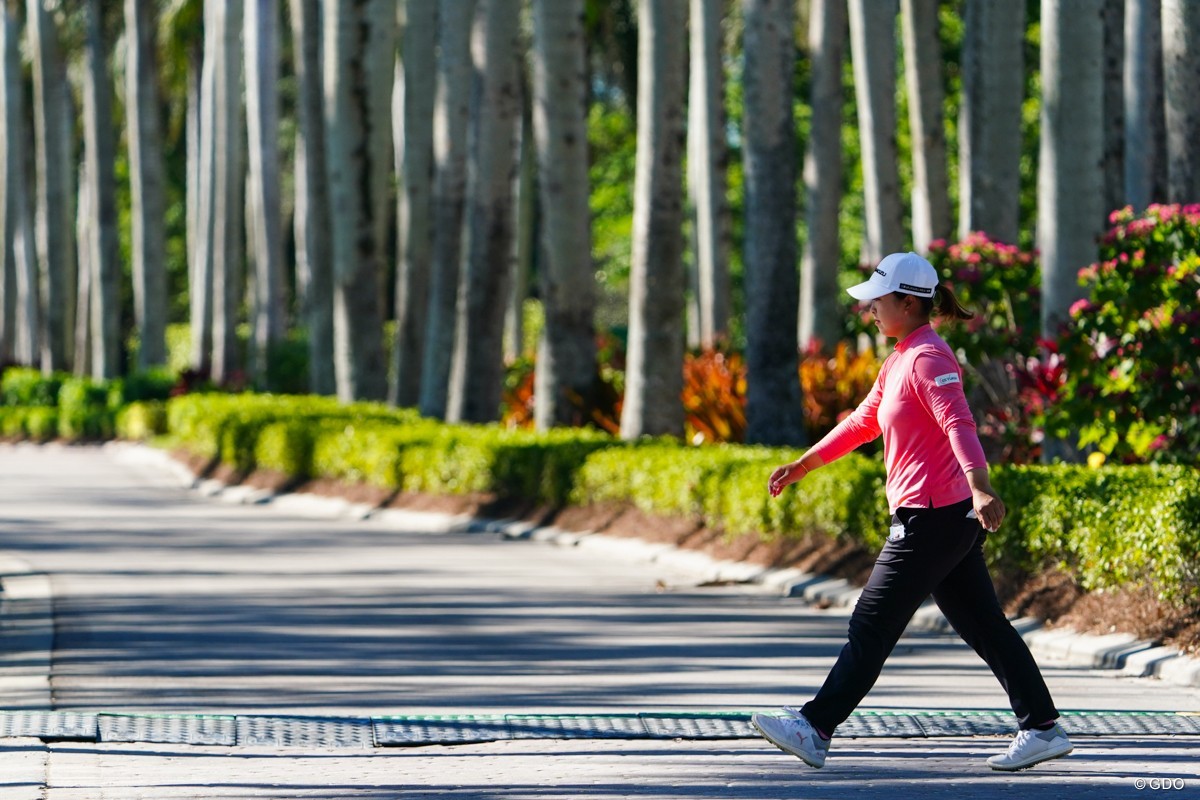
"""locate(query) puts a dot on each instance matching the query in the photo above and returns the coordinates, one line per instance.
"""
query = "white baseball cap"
(900, 272)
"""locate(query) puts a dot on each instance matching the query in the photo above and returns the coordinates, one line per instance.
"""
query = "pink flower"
(1080, 307)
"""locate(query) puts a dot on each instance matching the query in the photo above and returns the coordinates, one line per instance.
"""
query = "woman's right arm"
(860, 427)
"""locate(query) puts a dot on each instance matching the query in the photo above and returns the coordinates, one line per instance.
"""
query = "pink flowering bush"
(1132, 350)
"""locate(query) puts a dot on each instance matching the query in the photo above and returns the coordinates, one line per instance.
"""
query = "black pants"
(936, 551)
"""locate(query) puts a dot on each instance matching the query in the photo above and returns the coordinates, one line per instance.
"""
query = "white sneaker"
(1032, 747)
(794, 734)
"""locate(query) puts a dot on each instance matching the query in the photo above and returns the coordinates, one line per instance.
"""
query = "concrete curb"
(1121, 652)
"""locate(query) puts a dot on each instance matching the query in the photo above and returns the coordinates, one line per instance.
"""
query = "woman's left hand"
(988, 505)
(989, 508)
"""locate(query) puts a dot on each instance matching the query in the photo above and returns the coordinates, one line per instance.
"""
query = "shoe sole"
(763, 734)
(1042, 760)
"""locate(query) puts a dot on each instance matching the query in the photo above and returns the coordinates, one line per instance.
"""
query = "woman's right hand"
(785, 476)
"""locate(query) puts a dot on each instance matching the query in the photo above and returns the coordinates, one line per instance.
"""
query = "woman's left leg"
(968, 600)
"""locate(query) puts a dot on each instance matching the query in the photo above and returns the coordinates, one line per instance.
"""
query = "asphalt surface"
(168, 602)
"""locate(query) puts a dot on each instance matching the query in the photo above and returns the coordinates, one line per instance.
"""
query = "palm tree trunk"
(873, 48)
(228, 188)
(55, 162)
(1181, 76)
(477, 373)
(359, 62)
(415, 163)
(147, 184)
(84, 280)
(1145, 130)
(654, 367)
(923, 74)
(19, 237)
(314, 273)
(514, 318)
(100, 149)
(707, 158)
(820, 311)
(989, 120)
(261, 37)
(566, 358)
(199, 199)
(1113, 165)
(9, 149)
(451, 110)
(773, 407)
(1070, 184)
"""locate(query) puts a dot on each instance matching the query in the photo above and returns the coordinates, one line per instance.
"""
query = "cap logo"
(908, 287)
(878, 271)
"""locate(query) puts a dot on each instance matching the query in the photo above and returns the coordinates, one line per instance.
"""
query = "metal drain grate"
(455, 729)
(408, 731)
(1084, 723)
(323, 733)
(571, 726)
(868, 724)
(701, 726)
(48, 725)
(168, 729)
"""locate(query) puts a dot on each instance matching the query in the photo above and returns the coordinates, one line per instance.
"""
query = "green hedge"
(1108, 527)
(227, 427)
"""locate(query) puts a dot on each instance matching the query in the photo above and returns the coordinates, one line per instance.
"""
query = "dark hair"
(943, 303)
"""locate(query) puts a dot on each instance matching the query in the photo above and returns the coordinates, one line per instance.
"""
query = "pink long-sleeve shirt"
(929, 438)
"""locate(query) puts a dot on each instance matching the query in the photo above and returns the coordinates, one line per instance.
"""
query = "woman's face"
(893, 314)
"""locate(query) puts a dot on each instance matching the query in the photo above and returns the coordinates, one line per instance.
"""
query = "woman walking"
(942, 506)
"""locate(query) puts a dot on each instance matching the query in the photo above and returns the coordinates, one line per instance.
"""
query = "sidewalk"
(300, 627)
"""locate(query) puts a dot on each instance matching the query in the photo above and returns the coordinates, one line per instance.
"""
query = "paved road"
(168, 602)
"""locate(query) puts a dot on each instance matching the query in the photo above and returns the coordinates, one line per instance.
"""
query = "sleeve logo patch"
(942, 380)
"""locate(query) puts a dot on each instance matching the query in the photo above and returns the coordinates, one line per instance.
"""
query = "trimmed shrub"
(83, 410)
(24, 386)
(142, 420)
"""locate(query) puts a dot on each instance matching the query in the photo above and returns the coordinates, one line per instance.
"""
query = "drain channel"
(288, 732)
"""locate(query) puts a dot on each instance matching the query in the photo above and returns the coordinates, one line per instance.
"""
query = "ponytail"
(947, 305)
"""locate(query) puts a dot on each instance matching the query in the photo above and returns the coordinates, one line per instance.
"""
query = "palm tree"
(227, 185)
(359, 62)
(654, 374)
(773, 409)
(1145, 132)
(147, 183)
(923, 75)
(414, 161)
(707, 154)
(1070, 183)
(102, 245)
(1181, 75)
(262, 116)
(1113, 49)
(820, 312)
(314, 273)
(19, 239)
(873, 51)
(55, 218)
(989, 119)
(450, 115)
(477, 374)
(566, 360)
